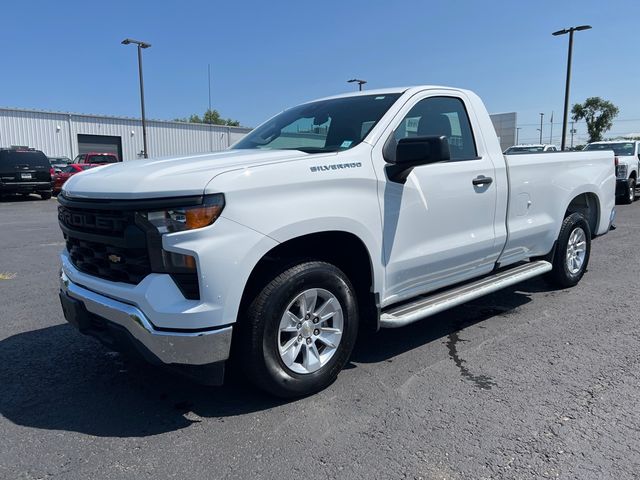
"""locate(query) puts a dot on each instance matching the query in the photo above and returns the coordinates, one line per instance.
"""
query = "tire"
(568, 264)
(279, 306)
(45, 195)
(630, 194)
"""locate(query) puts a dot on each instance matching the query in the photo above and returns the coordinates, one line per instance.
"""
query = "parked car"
(366, 210)
(627, 157)
(25, 170)
(533, 148)
(96, 157)
(58, 163)
(67, 172)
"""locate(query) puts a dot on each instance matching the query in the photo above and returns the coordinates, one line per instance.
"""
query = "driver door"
(438, 227)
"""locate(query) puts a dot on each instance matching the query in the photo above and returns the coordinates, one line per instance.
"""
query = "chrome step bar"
(425, 306)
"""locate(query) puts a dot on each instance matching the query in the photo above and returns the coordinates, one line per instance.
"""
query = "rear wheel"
(572, 251)
(45, 195)
(299, 330)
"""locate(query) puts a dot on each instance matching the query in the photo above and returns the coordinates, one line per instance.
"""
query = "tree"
(210, 117)
(598, 114)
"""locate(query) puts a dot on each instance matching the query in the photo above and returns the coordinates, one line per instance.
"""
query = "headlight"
(180, 219)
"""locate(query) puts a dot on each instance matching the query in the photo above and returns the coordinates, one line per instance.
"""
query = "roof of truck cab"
(386, 91)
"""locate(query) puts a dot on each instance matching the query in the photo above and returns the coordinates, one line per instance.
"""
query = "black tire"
(45, 195)
(259, 329)
(630, 194)
(561, 275)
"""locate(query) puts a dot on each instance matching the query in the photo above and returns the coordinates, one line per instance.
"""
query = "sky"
(269, 55)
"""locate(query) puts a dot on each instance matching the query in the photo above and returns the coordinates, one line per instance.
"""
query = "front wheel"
(630, 194)
(572, 251)
(45, 195)
(299, 330)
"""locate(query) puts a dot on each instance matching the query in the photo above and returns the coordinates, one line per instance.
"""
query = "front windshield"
(526, 149)
(325, 126)
(622, 149)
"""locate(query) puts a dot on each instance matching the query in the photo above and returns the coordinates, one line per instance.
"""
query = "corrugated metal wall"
(56, 134)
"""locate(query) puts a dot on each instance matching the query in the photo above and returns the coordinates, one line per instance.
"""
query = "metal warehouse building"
(69, 134)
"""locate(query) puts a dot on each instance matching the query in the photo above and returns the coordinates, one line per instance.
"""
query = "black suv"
(25, 170)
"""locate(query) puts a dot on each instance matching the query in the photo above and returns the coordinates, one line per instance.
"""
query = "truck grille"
(105, 243)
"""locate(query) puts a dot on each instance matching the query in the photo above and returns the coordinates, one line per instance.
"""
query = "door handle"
(481, 181)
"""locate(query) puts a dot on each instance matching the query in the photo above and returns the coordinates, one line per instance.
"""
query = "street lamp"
(358, 81)
(541, 117)
(141, 45)
(566, 90)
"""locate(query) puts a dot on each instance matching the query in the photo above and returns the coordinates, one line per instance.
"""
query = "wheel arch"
(587, 204)
(341, 248)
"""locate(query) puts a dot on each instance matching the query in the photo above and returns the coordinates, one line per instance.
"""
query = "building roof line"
(113, 117)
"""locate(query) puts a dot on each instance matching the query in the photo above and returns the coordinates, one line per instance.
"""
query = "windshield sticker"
(346, 144)
(335, 166)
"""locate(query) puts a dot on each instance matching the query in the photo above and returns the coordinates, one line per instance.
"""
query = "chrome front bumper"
(165, 347)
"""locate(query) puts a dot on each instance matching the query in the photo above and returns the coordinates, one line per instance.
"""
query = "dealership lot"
(526, 383)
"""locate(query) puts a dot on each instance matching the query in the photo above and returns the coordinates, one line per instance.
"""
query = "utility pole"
(358, 81)
(210, 128)
(568, 82)
(541, 117)
(572, 131)
(551, 134)
(141, 45)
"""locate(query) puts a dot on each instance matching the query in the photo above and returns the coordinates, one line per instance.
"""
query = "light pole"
(566, 89)
(141, 45)
(541, 117)
(358, 81)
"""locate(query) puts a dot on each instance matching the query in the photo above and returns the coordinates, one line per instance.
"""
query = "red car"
(68, 171)
(96, 157)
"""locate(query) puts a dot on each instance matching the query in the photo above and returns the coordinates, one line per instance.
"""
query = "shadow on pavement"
(56, 378)
(386, 344)
(34, 197)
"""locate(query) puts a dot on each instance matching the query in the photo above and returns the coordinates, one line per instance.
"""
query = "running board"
(425, 306)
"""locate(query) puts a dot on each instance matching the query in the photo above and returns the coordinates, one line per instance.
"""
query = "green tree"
(211, 117)
(599, 115)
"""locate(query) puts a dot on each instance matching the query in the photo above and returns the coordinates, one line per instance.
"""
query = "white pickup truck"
(627, 159)
(366, 210)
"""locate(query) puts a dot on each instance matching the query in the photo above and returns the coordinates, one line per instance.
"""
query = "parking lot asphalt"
(526, 383)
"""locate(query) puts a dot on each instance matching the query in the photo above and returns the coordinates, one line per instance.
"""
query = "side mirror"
(415, 151)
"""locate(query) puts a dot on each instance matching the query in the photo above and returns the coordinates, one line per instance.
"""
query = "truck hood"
(167, 177)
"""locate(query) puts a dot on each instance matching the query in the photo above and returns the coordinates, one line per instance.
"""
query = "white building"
(68, 134)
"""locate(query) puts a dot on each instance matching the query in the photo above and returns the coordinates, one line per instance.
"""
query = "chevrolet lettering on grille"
(90, 220)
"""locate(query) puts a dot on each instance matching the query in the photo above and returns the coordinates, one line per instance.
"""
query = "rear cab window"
(30, 158)
(102, 159)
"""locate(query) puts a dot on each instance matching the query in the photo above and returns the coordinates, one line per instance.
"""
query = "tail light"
(52, 171)
(615, 161)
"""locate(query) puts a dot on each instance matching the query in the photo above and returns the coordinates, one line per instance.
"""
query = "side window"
(441, 116)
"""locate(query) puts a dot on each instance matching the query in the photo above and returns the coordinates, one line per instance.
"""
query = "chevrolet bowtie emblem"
(113, 258)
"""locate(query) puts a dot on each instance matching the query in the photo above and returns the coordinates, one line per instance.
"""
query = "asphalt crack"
(483, 382)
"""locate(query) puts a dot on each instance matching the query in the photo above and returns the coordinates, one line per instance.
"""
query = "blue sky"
(268, 55)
